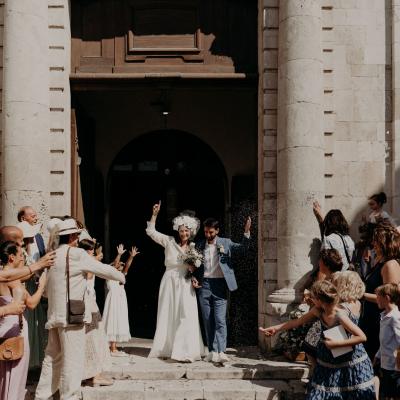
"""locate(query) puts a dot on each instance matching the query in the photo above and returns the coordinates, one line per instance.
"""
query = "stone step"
(136, 367)
(196, 390)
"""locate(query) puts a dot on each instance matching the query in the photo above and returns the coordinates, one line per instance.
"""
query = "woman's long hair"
(335, 222)
(387, 238)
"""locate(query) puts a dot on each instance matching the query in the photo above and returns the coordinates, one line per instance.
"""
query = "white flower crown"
(189, 222)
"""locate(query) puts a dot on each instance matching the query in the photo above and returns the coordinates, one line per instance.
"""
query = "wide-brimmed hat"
(27, 229)
(67, 227)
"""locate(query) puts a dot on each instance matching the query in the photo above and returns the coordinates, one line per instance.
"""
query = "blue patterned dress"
(347, 377)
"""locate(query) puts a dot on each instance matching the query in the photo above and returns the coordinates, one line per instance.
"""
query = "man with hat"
(63, 364)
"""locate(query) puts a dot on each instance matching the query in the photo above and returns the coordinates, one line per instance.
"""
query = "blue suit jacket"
(40, 244)
(224, 247)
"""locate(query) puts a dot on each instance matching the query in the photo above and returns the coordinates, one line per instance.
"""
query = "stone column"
(26, 168)
(299, 145)
(396, 106)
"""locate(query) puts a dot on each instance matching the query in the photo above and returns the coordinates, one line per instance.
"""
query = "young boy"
(389, 337)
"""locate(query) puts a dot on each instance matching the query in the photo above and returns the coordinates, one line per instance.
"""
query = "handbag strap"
(67, 271)
(345, 248)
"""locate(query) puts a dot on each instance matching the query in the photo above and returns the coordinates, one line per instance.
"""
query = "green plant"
(291, 341)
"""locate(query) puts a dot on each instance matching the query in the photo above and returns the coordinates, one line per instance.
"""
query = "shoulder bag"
(76, 308)
(12, 348)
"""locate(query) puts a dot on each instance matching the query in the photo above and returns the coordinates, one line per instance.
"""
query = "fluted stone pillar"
(26, 138)
(299, 145)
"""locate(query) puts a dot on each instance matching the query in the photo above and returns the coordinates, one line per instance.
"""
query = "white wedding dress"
(178, 333)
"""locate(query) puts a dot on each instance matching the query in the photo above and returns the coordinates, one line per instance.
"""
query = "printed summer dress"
(347, 377)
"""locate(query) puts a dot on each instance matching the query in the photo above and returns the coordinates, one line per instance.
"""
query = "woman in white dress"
(178, 334)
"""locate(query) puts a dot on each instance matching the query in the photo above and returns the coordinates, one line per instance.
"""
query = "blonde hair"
(325, 292)
(391, 290)
(349, 286)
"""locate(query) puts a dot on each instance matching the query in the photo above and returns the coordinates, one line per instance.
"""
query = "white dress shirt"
(80, 263)
(212, 269)
(389, 338)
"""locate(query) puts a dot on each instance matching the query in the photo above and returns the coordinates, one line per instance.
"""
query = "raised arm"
(99, 269)
(120, 251)
(33, 300)
(46, 261)
(158, 237)
(246, 237)
(132, 254)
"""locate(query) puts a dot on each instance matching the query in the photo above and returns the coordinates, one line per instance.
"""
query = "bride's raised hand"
(156, 208)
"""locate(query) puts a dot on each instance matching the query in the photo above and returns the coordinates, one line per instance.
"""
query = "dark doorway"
(185, 174)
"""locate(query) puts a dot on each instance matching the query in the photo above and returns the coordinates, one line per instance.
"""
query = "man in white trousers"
(64, 360)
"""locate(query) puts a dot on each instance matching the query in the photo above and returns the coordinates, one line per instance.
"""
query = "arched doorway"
(184, 173)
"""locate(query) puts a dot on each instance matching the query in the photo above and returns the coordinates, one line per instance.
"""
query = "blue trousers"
(213, 299)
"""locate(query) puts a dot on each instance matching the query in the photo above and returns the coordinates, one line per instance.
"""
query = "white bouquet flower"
(192, 258)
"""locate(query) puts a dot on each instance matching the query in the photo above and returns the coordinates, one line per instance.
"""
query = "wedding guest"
(217, 279)
(349, 376)
(13, 374)
(29, 215)
(96, 346)
(64, 361)
(388, 297)
(178, 333)
(386, 242)
(36, 318)
(335, 233)
(364, 253)
(115, 314)
(378, 214)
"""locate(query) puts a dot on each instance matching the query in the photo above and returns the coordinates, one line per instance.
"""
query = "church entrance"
(185, 174)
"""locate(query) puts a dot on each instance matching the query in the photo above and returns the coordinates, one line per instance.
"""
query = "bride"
(178, 333)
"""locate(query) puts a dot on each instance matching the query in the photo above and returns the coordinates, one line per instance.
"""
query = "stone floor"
(248, 376)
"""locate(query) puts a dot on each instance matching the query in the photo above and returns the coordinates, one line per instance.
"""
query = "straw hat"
(68, 227)
(27, 229)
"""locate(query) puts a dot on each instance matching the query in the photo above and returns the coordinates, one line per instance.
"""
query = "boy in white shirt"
(389, 337)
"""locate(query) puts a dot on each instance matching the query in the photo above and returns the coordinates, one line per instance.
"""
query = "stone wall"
(357, 79)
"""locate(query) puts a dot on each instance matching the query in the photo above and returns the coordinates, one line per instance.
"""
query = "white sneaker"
(212, 356)
(223, 358)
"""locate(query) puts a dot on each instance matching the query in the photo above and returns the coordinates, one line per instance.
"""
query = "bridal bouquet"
(192, 257)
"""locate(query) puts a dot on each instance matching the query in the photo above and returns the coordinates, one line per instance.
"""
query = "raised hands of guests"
(134, 252)
(271, 331)
(120, 249)
(317, 210)
(156, 208)
(46, 261)
(247, 225)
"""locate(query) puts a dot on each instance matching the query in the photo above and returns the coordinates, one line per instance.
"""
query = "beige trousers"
(63, 364)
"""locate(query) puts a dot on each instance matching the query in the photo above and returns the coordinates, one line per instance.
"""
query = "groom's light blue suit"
(213, 294)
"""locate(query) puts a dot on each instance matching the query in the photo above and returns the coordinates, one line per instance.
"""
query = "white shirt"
(334, 241)
(212, 269)
(34, 249)
(389, 338)
(80, 263)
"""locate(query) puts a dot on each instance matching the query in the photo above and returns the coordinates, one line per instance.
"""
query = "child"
(389, 337)
(115, 314)
(347, 377)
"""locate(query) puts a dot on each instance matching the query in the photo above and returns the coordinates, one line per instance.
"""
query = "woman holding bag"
(13, 374)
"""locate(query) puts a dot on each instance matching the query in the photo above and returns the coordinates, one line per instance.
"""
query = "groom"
(217, 279)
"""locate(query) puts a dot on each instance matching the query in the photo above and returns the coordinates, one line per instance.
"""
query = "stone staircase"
(248, 376)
